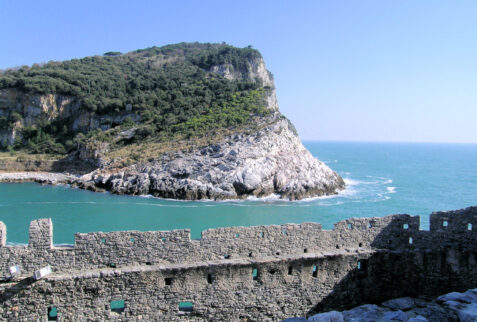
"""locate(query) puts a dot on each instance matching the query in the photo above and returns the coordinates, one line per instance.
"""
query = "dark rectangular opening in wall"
(290, 270)
(186, 306)
(210, 278)
(315, 271)
(255, 274)
(272, 271)
(117, 306)
(52, 313)
(227, 256)
(168, 281)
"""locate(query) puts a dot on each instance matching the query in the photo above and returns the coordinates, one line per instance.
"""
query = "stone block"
(41, 234)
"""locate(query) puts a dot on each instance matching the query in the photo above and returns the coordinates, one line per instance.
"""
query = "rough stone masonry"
(263, 273)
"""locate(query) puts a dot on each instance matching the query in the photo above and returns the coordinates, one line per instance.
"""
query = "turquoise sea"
(382, 178)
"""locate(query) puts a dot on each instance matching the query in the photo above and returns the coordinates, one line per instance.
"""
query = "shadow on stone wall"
(408, 262)
(288, 269)
(16, 289)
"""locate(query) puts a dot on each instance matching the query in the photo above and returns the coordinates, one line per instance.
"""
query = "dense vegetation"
(170, 87)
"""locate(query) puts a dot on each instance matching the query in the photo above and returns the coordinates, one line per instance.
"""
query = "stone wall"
(250, 273)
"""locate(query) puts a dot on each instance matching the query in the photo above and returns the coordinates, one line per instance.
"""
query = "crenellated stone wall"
(239, 273)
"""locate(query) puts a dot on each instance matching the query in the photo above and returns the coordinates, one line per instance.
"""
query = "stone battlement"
(258, 273)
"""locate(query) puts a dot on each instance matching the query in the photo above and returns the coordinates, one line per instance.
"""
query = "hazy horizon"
(354, 72)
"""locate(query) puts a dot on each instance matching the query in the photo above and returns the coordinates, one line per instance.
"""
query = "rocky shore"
(449, 307)
(271, 161)
(40, 177)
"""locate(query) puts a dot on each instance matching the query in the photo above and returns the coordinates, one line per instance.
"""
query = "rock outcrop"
(453, 306)
(271, 161)
(40, 177)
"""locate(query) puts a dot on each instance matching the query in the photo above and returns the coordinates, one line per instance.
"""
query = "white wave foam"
(272, 197)
(352, 182)
(308, 199)
(391, 189)
(388, 181)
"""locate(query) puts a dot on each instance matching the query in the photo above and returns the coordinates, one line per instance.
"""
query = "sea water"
(382, 179)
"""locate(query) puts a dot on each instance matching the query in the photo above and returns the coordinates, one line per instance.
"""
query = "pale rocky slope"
(272, 161)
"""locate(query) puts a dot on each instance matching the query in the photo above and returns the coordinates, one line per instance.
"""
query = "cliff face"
(256, 71)
(258, 159)
(37, 107)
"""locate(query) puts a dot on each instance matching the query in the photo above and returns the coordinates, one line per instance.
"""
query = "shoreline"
(37, 176)
(55, 178)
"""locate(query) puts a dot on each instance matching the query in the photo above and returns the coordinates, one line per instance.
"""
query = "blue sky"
(344, 70)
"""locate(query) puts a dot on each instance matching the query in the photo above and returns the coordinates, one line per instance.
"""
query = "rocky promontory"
(198, 121)
(271, 161)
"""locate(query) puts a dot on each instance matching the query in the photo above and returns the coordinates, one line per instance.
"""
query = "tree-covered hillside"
(170, 88)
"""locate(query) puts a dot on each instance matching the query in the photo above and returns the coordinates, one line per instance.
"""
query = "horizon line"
(377, 141)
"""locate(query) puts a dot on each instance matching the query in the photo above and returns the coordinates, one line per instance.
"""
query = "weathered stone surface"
(418, 318)
(453, 306)
(272, 161)
(463, 304)
(404, 303)
(300, 270)
(3, 234)
(331, 316)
